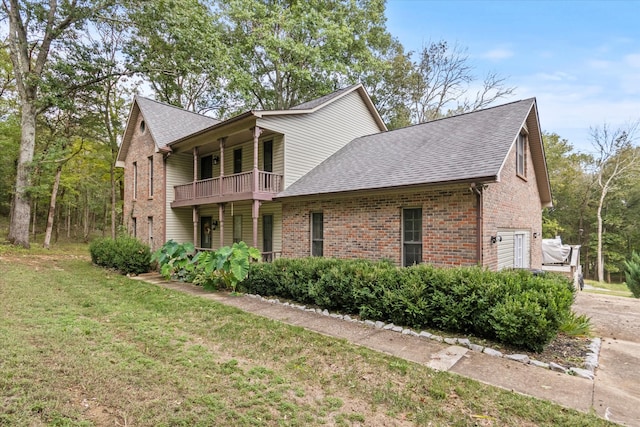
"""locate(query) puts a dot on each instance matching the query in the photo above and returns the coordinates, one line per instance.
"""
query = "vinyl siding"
(244, 209)
(506, 248)
(179, 169)
(311, 138)
(247, 156)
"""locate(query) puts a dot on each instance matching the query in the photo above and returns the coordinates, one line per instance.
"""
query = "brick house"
(327, 178)
(214, 182)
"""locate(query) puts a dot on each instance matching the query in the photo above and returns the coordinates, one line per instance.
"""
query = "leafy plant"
(577, 325)
(229, 264)
(632, 274)
(174, 259)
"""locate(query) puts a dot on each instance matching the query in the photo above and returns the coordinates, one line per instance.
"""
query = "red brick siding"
(144, 206)
(369, 226)
(512, 203)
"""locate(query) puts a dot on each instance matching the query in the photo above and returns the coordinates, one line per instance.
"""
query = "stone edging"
(590, 362)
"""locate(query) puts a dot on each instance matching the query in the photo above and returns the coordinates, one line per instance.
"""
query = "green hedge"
(125, 254)
(514, 307)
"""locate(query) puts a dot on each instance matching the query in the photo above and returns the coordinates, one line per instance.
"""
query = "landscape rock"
(582, 373)
(492, 352)
(557, 368)
(539, 364)
(522, 358)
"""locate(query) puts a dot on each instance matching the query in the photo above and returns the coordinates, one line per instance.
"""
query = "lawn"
(618, 289)
(81, 346)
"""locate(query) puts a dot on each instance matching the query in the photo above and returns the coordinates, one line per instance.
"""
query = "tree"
(178, 47)
(615, 157)
(288, 52)
(33, 28)
(443, 86)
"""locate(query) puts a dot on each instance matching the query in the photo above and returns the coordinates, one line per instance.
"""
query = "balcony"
(254, 185)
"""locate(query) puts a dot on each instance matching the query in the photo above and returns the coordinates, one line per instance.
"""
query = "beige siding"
(311, 138)
(506, 248)
(244, 209)
(179, 169)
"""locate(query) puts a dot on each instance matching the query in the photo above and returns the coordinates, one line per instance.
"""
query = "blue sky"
(580, 59)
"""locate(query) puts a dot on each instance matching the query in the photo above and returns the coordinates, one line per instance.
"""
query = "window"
(411, 236)
(134, 227)
(521, 155)
(317, 234)
(151, 176)
(237, 160)
(143, 126)
(135, 180)
(237, 228)
(206, 167)
(518, 251)
(268, 156)
(150, 222)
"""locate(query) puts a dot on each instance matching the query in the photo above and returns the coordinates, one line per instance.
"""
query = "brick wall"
(144, 205)
(513, 203)
(369, 226)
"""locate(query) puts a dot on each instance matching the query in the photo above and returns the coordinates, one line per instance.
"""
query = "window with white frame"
(411, 236)
(521, 155)
(135, 180)
(317, 234)
(151, 176)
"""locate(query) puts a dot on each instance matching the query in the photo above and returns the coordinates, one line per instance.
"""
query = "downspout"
(477, 190)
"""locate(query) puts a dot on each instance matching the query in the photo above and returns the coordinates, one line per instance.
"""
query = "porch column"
(196, 219)
(254, 216)
(195, 170)
(222, 142)
(256, 135)
(221, 222)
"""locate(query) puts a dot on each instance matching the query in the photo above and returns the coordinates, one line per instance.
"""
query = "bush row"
(513, 307)
(125, 254)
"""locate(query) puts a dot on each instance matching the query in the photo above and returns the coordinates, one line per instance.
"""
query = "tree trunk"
(112, 173)
(21, 212)
(52, 208)
(599, 260)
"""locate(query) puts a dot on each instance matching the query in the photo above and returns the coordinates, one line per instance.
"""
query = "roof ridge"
(165, 104)
(464, 114)
(327, 97)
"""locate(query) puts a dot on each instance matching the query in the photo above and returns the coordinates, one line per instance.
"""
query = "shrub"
(228, 265)
(514, 307)
(125, 254)
(632, 274)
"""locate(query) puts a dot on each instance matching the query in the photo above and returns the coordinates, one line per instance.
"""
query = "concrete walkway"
(605, 394)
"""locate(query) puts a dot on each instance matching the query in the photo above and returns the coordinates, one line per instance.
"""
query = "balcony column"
(254, 215)
(222, 142)
(256, 135)
(196, 219)
(195, 170)
(221, 222)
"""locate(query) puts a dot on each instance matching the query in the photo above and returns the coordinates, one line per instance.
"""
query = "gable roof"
(467, 147)
(301, 109)
(165, 123)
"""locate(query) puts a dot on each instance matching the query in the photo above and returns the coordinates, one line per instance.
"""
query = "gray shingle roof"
(464, 147)
(168, 123)
(319, 101)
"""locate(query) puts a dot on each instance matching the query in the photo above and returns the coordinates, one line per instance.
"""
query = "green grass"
(81, 346)
(618, 289)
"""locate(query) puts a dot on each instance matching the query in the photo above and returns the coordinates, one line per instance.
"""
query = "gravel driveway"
(611, 316)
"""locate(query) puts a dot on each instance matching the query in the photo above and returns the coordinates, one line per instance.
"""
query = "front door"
(267, 237)
(205, 232)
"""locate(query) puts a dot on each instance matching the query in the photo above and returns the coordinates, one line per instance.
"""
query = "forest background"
(69, 70)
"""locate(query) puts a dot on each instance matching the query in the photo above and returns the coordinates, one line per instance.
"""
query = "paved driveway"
(617, 385)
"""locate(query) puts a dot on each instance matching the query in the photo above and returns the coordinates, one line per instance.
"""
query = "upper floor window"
(143, 126)
(268, 156)
(237, 160)
(521, 155)
(151, 176)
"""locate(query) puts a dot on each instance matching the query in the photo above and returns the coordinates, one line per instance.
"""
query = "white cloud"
(555, 76)
(498, 53)
(633, 60)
